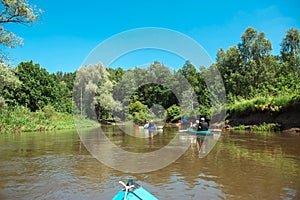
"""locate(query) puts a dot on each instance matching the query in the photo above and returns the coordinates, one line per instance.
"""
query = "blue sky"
(68, 30)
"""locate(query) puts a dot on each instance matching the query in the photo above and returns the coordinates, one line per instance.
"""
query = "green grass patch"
(20, 119)
(264, 104)
(265, 127)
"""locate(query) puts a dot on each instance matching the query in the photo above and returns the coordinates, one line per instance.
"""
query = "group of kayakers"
(199, 124)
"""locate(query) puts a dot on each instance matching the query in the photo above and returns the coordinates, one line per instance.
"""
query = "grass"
(20, 119)
(266, 127)
(264, 104)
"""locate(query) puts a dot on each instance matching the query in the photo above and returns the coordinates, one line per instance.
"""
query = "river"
(56, 165)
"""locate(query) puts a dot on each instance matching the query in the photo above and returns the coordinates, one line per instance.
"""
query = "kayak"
(192, 131)
(133, 191)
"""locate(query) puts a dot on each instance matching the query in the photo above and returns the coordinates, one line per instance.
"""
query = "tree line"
(248, 70)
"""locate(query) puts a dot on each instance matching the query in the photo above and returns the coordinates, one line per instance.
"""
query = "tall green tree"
(103, 100)
(230, 67)
(92, 92)
(38, 88)
(254, 45)
(197, 86)
(290, 49)
(245, 67)
(254, 48)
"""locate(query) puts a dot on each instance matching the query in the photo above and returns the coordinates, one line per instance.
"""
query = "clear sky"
(68, 30)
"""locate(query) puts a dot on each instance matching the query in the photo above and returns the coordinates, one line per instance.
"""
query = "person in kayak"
(151, 125)
(195, 125)
(203, 125)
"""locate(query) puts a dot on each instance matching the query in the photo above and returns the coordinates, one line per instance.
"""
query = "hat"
(202, 119)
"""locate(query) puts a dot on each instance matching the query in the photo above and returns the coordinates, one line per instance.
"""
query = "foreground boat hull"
(133, 191)
(137, 194)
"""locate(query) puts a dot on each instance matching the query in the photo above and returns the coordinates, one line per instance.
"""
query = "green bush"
(173, 113)
(48, 111)
(138, 112)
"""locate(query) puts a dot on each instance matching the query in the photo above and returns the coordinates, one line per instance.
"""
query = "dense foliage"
(254, 80)
(37, 89)
(249, 69)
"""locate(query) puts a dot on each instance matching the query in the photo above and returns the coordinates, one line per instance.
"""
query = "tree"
(115, 74)
(68, 78)
(229, 65)
(8, 81)
(85, 86)
(92, 92)
(38, 88)
(290, 49)
(103, 99)
(152, 85)
(189, 72)
(245, 67)
(138, 112)
(253, 45)
(7, 77)
(15, 11)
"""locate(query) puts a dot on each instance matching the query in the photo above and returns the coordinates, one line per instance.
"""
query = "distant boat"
(133, 191)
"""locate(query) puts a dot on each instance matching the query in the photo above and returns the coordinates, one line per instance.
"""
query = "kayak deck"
(133, 191)
(137, 194)
(192, 131)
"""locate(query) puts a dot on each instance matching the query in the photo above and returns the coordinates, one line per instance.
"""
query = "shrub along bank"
(21, 119)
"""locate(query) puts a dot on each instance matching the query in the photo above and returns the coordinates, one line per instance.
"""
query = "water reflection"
(246, 166)
(134, 154)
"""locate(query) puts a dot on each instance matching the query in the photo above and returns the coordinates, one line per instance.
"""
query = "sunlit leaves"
(15, 11)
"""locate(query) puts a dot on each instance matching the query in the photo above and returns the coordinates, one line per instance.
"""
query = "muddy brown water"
(56, 165)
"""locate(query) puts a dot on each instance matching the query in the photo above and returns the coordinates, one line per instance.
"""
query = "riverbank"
(20, 119)
(277, 113)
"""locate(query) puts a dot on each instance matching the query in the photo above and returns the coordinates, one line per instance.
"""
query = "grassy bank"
(261, 127)
(264, 104)
(20, 119)
(265, 113)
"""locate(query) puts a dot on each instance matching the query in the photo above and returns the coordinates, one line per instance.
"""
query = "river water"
(56, 165)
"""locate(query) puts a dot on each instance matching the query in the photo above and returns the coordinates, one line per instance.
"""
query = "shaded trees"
(37, 88)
